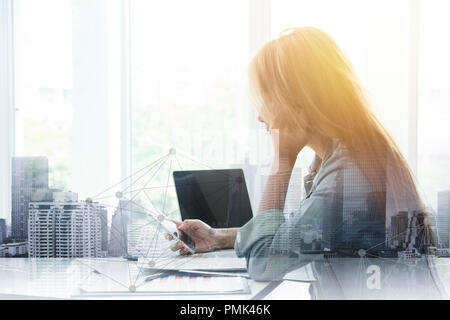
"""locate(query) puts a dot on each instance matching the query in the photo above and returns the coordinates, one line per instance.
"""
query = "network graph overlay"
(147, 197)
(136, 235)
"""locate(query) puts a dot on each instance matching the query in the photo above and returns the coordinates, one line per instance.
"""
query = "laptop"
(217, 197)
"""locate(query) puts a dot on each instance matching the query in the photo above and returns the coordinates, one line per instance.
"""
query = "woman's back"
(341, 216)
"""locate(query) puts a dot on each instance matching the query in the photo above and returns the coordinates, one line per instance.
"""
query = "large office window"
(67, 90)
(188, 80)
(179, 68)
(43, 83)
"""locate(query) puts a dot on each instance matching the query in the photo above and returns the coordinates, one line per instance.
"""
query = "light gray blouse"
(338, 212)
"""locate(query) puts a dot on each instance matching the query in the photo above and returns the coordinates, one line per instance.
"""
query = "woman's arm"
(209, 239)
(277, 184)
(225, 238)
(287, 146)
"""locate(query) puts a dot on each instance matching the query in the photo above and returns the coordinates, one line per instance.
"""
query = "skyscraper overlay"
(28, 175)
(2, 230)
(443, 219)
(65, 228)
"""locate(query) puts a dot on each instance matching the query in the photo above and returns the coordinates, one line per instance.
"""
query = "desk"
(56, 278)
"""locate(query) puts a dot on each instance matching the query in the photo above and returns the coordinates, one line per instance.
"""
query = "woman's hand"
(287, 144)
(206, 239)
(202, 235)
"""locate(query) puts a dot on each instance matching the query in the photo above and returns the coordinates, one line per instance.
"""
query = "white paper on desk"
(290, 290)
(224, 260)
(303, 274)
(171, 285)
(197, 284)
(217, 273)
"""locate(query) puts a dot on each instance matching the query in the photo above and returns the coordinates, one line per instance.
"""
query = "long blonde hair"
(303, 79)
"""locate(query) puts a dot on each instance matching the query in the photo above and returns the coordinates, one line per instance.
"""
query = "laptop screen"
(217, 197)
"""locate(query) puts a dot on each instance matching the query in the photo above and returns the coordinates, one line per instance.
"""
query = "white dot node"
(119, 194)
(161, 218)
(361, 252)
(88, 200)
(132, 288)
(151, 263)
(173, 151)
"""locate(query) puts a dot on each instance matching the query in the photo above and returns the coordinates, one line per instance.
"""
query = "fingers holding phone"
(196, 234)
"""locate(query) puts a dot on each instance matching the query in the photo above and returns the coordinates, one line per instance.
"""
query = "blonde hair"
(303, 79)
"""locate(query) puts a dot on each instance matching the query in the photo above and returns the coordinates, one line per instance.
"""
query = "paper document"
(303, 274)
(224, 260)
(217, 273)
(171, 285)
(290, 290)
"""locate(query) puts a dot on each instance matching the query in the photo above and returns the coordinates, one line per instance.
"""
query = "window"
(43, 84)
(67, 90)
(179, 68)
(188, 79)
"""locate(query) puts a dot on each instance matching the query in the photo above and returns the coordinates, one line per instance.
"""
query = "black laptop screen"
(217, 197)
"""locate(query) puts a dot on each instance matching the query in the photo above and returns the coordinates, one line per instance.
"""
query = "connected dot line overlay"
(157, 253)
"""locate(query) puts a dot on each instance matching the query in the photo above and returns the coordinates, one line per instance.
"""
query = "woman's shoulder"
(338, 180)
(340, 172)
(336, 161)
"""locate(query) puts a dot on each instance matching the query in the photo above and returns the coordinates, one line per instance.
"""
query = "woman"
(308, 94)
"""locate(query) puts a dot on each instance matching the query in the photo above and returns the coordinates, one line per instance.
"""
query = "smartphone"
(190, 244)
(171, 228)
